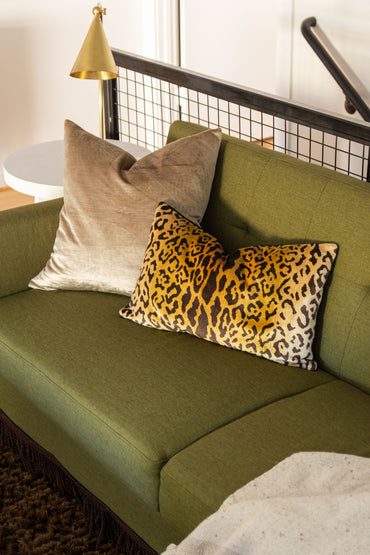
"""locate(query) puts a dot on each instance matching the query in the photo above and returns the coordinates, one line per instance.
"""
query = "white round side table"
(37, 170)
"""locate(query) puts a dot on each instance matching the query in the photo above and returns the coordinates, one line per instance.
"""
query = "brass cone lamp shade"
(95, 59)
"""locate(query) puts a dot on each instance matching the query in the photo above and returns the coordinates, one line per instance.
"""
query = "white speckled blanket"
(310, 503)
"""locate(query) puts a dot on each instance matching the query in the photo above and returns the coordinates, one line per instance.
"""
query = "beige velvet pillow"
(109, 203)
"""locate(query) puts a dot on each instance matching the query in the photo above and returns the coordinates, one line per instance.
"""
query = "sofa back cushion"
(263, 197)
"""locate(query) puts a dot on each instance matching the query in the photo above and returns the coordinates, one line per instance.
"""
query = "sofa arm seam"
(14, 292)
(350, 329)
(313, 211)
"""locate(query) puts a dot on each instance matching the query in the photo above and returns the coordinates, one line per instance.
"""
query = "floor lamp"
(95, 59)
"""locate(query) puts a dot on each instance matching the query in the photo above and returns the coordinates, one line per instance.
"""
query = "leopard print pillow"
(263, 300)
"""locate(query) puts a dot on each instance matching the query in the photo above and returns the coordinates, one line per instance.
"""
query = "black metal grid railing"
(148, 96)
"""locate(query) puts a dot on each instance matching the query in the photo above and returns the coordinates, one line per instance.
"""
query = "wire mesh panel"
(149, 96)
(147, 106)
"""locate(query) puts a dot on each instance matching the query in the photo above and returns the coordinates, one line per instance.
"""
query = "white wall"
(234, 40)
(259, 44)
(39, 42)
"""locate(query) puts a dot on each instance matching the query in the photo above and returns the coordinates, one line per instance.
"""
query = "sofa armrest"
(27, 236)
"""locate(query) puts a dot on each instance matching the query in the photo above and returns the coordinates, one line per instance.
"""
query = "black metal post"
(111, 109)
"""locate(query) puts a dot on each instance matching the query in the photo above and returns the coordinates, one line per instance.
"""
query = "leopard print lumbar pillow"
(263, 300)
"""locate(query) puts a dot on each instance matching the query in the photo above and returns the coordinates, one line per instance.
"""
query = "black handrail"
(336, 65)
(269, 104)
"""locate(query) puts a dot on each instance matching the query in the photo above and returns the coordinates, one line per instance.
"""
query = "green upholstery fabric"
(92, 473)
(84, 366)
(331, 417)
(265, 197)
(26, 239)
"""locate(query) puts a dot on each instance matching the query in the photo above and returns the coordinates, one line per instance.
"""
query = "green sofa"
(161, 426)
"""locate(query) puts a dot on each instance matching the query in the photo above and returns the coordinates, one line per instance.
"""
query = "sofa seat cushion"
(331, 417)
(130, 396)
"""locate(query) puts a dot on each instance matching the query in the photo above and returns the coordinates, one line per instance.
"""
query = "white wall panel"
(234, 40)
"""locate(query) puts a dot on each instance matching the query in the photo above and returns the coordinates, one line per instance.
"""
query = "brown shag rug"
(52, 514)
